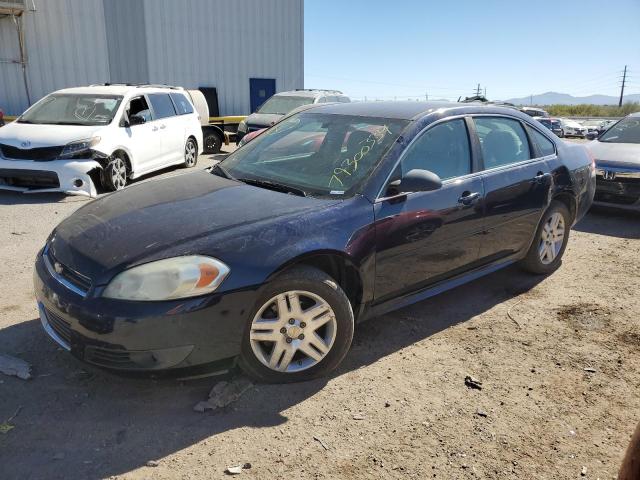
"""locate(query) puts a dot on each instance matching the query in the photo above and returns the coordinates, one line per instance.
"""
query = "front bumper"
(142, 336)
(67, 176)
(618, 187)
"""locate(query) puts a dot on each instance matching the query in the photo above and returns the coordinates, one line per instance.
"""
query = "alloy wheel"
(190, 153)
(551, 238)
(119, 173)
(293, 331)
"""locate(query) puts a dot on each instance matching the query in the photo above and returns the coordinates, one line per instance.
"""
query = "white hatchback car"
(75, 137)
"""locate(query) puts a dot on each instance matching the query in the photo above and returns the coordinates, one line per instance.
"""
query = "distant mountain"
(555, 98)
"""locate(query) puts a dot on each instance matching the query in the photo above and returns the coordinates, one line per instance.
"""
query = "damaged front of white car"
(56, 145)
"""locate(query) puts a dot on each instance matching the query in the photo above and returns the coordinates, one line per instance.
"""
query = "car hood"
(262, 120)
(26, 135)
(158, 219)
(624, 153)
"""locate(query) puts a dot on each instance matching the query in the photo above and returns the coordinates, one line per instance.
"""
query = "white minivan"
(110, 134)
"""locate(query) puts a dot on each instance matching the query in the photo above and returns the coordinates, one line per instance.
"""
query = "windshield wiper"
(279, 187)
(222, 171)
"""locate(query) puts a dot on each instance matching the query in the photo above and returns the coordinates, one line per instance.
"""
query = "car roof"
(411, 110)
(117, 89)
(311, 93)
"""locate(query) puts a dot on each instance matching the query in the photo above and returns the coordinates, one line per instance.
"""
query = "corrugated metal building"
(193, 43)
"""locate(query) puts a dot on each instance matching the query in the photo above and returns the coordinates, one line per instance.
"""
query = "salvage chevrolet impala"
(330, 217)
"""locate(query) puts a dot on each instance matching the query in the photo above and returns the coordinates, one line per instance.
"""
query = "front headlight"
(242, 126)
(168, 279)
(74, 148)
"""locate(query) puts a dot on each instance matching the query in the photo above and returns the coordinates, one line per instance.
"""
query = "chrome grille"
(68, 277)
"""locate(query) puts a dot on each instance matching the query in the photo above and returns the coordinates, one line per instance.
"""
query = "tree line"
(586, 110)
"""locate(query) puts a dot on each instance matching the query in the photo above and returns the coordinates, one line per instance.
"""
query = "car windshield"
(315, 154)
(626, 130)
(73, 109)
(282, 105)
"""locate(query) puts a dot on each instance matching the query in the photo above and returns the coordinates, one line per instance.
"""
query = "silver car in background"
(617, 156)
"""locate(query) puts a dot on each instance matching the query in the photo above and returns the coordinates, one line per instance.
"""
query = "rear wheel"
(190, 153)
(114, 174)
(212, 143)
(545, 254)
(301, 328)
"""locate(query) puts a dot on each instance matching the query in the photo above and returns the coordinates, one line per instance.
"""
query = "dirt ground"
(557, 356)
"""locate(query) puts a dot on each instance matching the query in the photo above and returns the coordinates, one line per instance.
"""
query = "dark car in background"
(1, 118)
(552, 124)
(617, 157)
(334, 215)
(283, 103)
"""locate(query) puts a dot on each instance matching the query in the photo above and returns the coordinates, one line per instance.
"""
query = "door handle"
(163, 126)
(540, 178)
(154, 129)
(468, 198)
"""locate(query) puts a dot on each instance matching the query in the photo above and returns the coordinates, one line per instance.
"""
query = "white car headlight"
(171, 278)
(74, 148)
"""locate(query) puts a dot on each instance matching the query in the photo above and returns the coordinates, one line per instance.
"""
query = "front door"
(516, 181)
(425, 237)
(141, 140)
(260, 90)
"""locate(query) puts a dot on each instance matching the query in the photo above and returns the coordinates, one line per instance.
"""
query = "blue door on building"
(261, 89)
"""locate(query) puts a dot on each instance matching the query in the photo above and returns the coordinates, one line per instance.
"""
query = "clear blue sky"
(386, 49)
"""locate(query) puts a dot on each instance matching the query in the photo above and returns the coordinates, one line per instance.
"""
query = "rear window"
(162, 105)
(183, 106)
(502, 140)
(545, 146)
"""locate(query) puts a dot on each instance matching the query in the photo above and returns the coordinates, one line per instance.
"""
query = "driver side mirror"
(136, 120)
(416, 180)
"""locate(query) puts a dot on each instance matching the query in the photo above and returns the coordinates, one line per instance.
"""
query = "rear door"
(517, 181)
(425, 237)
(171, 127)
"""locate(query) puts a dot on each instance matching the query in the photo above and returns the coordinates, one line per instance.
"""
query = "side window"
(443, 150)
(545, 146)
(182, 104)
(503, 141)
(162, 105)
(139, 106)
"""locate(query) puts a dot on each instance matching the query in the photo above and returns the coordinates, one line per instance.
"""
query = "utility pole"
(478, 91)
(531, 99)
(485, 92)
(426, 96)
(624, 79)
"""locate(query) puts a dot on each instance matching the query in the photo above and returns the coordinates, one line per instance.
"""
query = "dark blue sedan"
(332, 216)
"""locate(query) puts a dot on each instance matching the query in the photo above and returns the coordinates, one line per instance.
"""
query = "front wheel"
(548, 246)
(114, 174)
(301, 328)
(190, 153)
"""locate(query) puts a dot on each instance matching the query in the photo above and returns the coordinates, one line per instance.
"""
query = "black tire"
(190, 153)
(212, 143)
(115, 174)
(318, 283)
(533, 262)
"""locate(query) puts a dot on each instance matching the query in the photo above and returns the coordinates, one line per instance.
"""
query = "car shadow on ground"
(78, 422)
(611, 222)
(19, 198)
